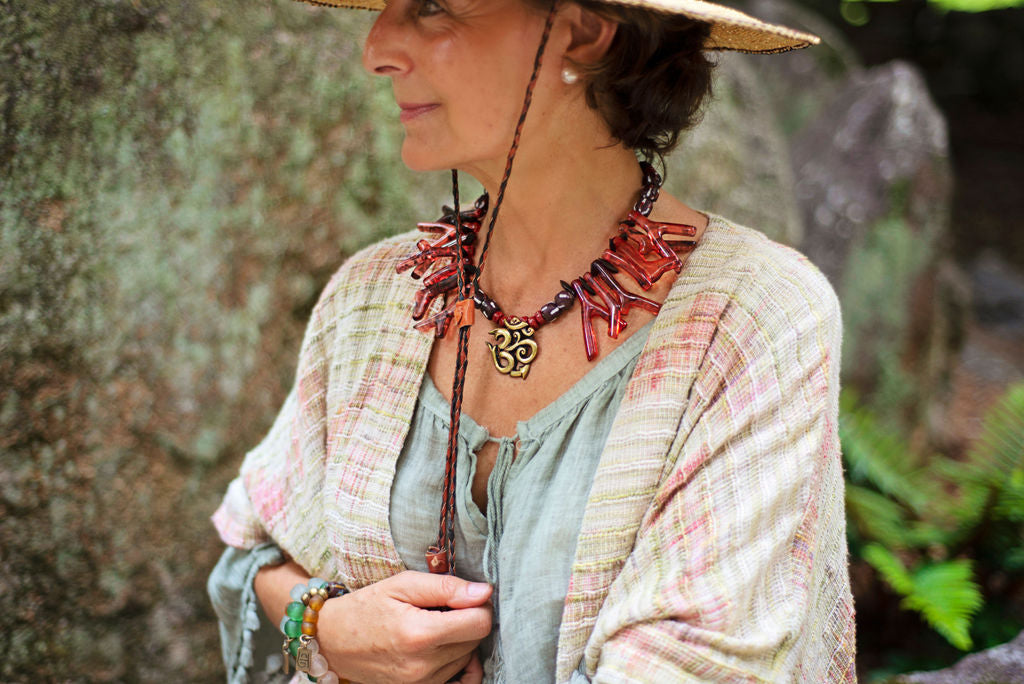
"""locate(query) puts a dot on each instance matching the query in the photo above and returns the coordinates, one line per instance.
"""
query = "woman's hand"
(381, 633)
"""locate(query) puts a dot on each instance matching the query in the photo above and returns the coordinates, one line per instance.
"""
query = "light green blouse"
(524, 546)
(536, 495)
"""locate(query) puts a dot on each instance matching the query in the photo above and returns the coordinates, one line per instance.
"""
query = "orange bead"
(309, 628)
(316, 602)
(310, 615)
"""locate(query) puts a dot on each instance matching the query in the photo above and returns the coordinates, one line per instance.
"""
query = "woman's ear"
(590, 35)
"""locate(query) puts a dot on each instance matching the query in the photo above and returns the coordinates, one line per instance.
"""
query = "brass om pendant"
(515, 350)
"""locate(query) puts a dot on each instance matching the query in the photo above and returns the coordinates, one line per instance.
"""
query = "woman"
(660, 503)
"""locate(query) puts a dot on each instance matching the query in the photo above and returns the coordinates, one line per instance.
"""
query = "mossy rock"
(177, 182)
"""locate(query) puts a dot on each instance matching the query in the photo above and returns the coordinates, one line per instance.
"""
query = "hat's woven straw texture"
(730, 29)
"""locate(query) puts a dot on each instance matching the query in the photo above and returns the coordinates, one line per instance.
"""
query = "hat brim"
(730, 29)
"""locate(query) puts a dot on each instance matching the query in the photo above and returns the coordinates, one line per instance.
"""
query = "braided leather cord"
(446, 531)
(515, 144)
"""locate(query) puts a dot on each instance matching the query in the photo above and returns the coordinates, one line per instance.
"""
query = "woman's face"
(459, 69)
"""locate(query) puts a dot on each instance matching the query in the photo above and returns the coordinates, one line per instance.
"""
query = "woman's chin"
(416, 158)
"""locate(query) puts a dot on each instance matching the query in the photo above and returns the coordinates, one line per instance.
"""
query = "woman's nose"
(383, 52)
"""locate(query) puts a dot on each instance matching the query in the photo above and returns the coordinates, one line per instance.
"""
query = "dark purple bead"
(550, 311)
(487, 306)
(565, 298)
(651, 175)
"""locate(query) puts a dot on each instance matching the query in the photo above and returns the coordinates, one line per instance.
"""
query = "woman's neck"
(558, 213)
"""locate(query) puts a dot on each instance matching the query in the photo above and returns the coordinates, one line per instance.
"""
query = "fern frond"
(879, 457)
(1005, 422)
(947, 597)
(889, 567)
(945, 593)
(1010, 503)
(971, 485)
(990, 481)
(1000, 448)
(876, 516)
(927, 534)
(1014, 560)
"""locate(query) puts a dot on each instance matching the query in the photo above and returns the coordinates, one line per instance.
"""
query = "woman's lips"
(411, 111)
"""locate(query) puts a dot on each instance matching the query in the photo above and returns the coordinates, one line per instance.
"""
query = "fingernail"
(477, 589)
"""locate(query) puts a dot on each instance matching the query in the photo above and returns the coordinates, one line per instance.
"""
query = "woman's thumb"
(426, 590)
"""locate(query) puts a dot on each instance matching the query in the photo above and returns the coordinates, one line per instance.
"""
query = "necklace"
(643, 249)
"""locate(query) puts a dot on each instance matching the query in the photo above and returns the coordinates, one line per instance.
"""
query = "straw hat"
(730, 29)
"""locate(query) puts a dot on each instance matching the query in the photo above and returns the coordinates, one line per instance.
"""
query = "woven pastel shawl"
(713, 542)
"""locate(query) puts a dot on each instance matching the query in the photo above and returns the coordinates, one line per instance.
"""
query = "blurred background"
(179, 179)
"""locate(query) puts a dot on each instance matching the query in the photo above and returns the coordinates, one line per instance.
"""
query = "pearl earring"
(569, 76)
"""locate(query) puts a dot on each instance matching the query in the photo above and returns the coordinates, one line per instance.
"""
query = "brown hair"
(655, 79)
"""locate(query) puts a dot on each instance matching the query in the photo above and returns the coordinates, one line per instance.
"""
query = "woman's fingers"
(453, 653)
(473, 672)
(450, 671)
(425, 590)
(439, 665)
(460, 625)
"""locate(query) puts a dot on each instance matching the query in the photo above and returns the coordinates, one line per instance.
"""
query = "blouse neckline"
(547, 417)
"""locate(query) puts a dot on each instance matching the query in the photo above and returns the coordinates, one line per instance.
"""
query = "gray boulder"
(878, 150)
(736, 163)
(874, 187)
(1000, 665)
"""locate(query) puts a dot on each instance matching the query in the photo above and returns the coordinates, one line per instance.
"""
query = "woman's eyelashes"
(428, 8)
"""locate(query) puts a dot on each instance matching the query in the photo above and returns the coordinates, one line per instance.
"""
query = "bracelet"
(299, 628)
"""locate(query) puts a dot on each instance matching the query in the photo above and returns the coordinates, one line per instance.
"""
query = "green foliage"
(998, 452)
(889, 567)
(876, 286)
(856, 11)
(878, 455)
(944, 593)
(975, 5)
(931, 532)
